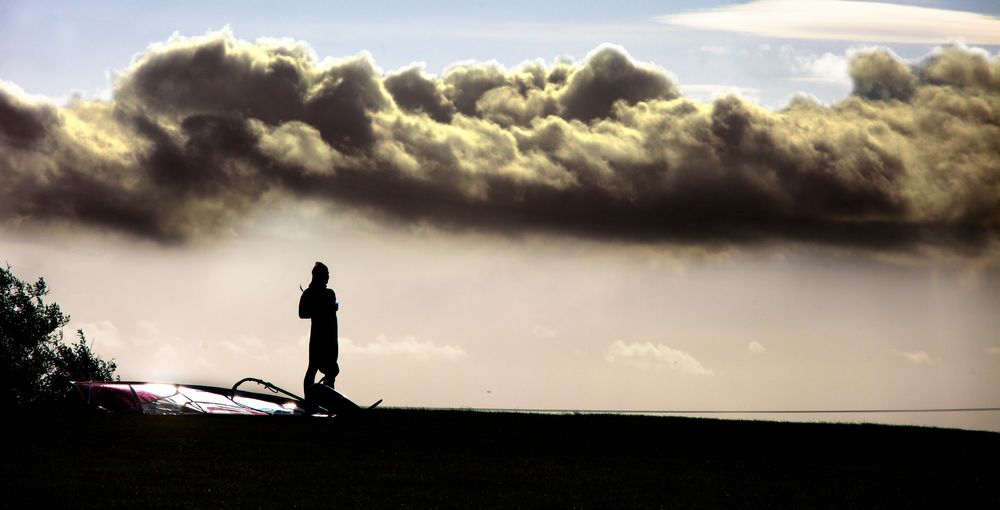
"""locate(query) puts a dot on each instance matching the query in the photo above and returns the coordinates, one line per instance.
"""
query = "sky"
(545, 205)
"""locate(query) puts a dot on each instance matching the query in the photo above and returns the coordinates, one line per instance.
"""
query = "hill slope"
(418, 459)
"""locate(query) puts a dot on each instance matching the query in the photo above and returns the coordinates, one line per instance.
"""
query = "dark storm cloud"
(20, 124)
(415, 92)
(202, 131)
(464, 85)
(881, 75)
(609, 76)
(215, 77)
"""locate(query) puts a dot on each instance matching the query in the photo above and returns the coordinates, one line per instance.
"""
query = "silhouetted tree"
(35, 365)
(76, 362)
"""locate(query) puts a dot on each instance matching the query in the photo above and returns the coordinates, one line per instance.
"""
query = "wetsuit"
(320, 305)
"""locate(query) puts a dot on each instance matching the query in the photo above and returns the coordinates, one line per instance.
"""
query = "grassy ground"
(431, 459)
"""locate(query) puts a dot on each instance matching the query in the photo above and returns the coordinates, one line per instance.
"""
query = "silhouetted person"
(320, 304)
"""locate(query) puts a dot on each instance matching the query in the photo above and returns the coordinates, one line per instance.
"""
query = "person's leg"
(330, 368)
(330, 374)
(310, 378)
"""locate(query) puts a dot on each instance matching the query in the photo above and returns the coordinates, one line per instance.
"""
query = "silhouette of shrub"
(36, 367)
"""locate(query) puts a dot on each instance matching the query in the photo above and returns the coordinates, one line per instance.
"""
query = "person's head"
(320, 274)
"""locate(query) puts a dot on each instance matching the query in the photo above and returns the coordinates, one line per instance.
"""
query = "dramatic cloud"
(415, 92)
(201, 131)
(880, 75)
(844, 21)
(647, 356)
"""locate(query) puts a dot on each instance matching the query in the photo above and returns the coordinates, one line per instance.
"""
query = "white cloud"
(102, 334)
(297, 143)
(918, 357)
(149, 333)
(247, 345)
(167, 351)
(244, 345)
(203, 363)
(645, 355)
(993, 350)
(148, 327)
(542, 332)
(844, 21)
(756, 347)
(408, 346)
(825, 68)
(714, 50)
(707, 92)
(234, 347)
(21, 94)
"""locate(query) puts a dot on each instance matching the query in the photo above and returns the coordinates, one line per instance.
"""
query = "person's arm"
(305, 310)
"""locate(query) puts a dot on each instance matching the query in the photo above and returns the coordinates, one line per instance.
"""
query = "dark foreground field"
(430, 459)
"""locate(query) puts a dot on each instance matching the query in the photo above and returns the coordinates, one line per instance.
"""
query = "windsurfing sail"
(177, 399)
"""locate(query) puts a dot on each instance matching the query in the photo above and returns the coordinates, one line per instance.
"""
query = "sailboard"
(154, 398)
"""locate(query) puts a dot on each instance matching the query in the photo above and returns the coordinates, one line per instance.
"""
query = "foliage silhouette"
(36, 367)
